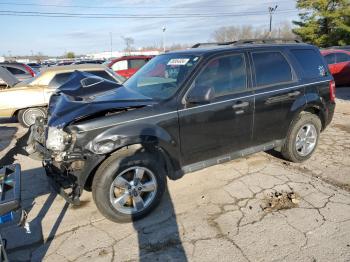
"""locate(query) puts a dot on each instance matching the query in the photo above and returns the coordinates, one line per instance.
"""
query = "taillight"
(29, 70)
(332, 90)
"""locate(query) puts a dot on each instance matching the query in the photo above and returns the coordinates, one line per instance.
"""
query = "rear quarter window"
(271, 68)
(311, 63)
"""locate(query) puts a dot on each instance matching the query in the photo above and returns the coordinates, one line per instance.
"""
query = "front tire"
(128, 187)
(302, 138)
(26, 117)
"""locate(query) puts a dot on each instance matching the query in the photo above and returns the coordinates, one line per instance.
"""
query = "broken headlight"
(57, 139)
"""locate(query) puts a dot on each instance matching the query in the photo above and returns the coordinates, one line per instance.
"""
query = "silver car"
(20, 71)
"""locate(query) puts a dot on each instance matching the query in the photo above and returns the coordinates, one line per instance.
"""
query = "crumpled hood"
(85, 94)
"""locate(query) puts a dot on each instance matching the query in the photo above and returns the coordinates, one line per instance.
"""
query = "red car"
(128, 65)
(339, 64)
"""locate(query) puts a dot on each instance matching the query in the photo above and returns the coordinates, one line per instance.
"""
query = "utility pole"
(164, 29)
(110, 36)
(272, 10)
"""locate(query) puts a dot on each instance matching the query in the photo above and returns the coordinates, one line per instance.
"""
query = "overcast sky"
(55, 36)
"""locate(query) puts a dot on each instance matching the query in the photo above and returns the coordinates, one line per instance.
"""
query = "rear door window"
(271, 68)
(311, 62)
(342, 57)
(16, 71)
(227, 75)
(330, 59)
(137, 63)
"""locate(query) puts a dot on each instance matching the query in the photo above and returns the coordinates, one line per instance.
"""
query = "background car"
(28, 99)
(88, 62)
(128, 65)
(339, 64)
(344, 47)
(35, 66)
(19, 70)
(63, 63)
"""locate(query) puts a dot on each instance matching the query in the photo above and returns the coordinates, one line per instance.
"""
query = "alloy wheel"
(306, 139)
(133, 190)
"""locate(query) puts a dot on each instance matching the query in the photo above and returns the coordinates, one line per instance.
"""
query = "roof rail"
(213, 44)
(251, 41)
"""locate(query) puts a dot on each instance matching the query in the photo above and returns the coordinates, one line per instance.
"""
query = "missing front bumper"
(63, 184)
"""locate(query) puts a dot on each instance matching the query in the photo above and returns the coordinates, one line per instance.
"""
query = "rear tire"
(302, 138)
(26, 117)
(115, 180)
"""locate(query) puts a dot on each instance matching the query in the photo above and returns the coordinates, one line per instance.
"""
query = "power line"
(127, 16)
(131, 6)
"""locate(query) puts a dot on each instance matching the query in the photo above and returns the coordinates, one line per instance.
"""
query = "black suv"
(183, 111)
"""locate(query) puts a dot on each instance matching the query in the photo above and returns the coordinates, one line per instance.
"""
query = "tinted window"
(330, 59)
(137, 63)
(102, 74)
(59, 79)
(226, 75)
(16, 71)
(311, 62)
(271, 68)
(342, 57)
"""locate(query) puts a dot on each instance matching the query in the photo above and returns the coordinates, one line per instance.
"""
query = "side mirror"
(201, 95)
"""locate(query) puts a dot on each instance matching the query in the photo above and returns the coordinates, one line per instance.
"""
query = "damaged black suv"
(183, 111)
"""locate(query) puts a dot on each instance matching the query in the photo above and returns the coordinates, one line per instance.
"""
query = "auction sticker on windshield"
(178, 61)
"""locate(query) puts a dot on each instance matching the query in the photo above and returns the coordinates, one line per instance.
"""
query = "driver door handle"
(294, 94)
(240, 105)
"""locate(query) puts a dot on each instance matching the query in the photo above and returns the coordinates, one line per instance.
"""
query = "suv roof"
(208, 48)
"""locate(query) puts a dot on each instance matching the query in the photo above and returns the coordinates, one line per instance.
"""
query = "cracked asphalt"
(217, 214)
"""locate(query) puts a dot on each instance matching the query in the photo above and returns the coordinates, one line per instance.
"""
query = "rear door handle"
(240, 105)
(294, 94)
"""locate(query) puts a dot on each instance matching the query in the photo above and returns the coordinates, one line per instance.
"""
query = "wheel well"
(316, 111)
(163, 156)
(15, 114)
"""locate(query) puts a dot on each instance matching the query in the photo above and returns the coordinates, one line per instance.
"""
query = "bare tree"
(234, 33)
(129, 41)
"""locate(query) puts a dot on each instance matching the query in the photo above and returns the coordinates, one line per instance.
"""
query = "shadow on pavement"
(5, 120)
(9, 157)
(6, 135)
(45, 245)
(21, 244)
(158, 234)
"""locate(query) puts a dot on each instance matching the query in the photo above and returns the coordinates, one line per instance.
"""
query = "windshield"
(162, 76)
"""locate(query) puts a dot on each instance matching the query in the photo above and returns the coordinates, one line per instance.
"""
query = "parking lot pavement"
(258, 208)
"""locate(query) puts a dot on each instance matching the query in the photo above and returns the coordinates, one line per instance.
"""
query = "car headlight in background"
(57, 139)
